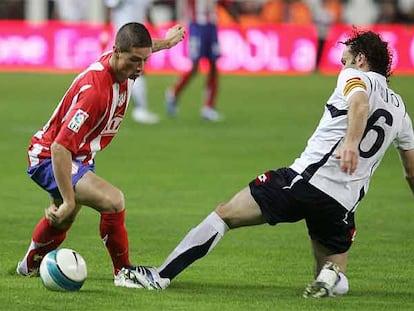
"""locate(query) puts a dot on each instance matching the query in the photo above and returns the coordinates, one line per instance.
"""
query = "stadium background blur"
(246, 12)
(272, 36)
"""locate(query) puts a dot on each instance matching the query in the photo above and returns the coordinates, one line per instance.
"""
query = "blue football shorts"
(283, 196)
(203, 42)
(42, 174)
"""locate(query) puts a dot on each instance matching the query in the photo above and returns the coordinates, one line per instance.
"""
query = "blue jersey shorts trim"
(42, 174)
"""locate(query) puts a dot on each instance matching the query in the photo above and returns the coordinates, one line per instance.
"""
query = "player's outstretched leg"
(195, 245)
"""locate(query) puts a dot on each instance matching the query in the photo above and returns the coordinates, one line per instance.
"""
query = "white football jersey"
(388, 122)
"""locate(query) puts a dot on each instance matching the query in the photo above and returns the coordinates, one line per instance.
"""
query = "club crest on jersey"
(262, 179)
(77, 120)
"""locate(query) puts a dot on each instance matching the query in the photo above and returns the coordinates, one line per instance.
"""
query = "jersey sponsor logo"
(263, 178)
(113, 126)
(77, 120)
(353, 83)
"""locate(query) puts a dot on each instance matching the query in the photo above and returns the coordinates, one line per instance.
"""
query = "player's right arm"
(173, 36)
(62, 169)
(79, 120)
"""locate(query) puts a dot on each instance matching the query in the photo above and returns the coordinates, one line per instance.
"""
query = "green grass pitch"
(173, 174)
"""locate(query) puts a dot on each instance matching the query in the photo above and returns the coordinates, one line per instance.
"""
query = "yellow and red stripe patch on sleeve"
(353, 83)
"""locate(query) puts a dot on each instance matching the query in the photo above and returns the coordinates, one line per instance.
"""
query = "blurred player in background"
(71, 10)
(61, 154)
(201, 17)
(125, 11)
(324, 186)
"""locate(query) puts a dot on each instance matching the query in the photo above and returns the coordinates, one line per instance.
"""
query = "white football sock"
(196, 244)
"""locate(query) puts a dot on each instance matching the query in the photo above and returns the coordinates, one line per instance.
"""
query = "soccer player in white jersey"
(324, 186)
(122, 12)
(61, 154)
(201, 17)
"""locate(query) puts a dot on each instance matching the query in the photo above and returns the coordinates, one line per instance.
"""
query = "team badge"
(263, 178)
(77, 120)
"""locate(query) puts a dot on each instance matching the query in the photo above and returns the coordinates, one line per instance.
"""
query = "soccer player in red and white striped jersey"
(61, 154)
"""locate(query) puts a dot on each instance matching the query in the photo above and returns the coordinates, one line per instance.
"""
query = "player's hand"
(59, 215)
(174, 35)
(348, 154)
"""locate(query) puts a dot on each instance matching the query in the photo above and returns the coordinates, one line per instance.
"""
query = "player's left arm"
(407, 159)
(174, 35)
(62, 170)
(348, 152)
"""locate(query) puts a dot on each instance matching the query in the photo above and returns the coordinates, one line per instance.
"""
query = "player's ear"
(116, 50)
(361, 61)
(361, 57)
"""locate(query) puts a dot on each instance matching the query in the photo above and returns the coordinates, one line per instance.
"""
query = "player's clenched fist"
(175, 34)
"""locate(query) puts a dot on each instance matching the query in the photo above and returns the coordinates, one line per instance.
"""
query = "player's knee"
(224, 212)
(220, 209)
(118, 202)
(114, 201)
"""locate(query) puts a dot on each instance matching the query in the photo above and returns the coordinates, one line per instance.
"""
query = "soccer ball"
(63, 270)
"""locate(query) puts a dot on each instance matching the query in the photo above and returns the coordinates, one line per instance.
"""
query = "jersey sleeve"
(84, 116)
(351, 81)
(405, 138)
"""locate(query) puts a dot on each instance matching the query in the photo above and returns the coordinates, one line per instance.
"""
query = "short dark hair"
(132, 35)
(377, 52)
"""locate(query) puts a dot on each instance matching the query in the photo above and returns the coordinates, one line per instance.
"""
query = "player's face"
(349, 60)
(130, 64)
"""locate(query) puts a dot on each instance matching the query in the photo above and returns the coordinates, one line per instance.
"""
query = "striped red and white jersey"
(202, 11)
(88, 116)
(388, 123)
